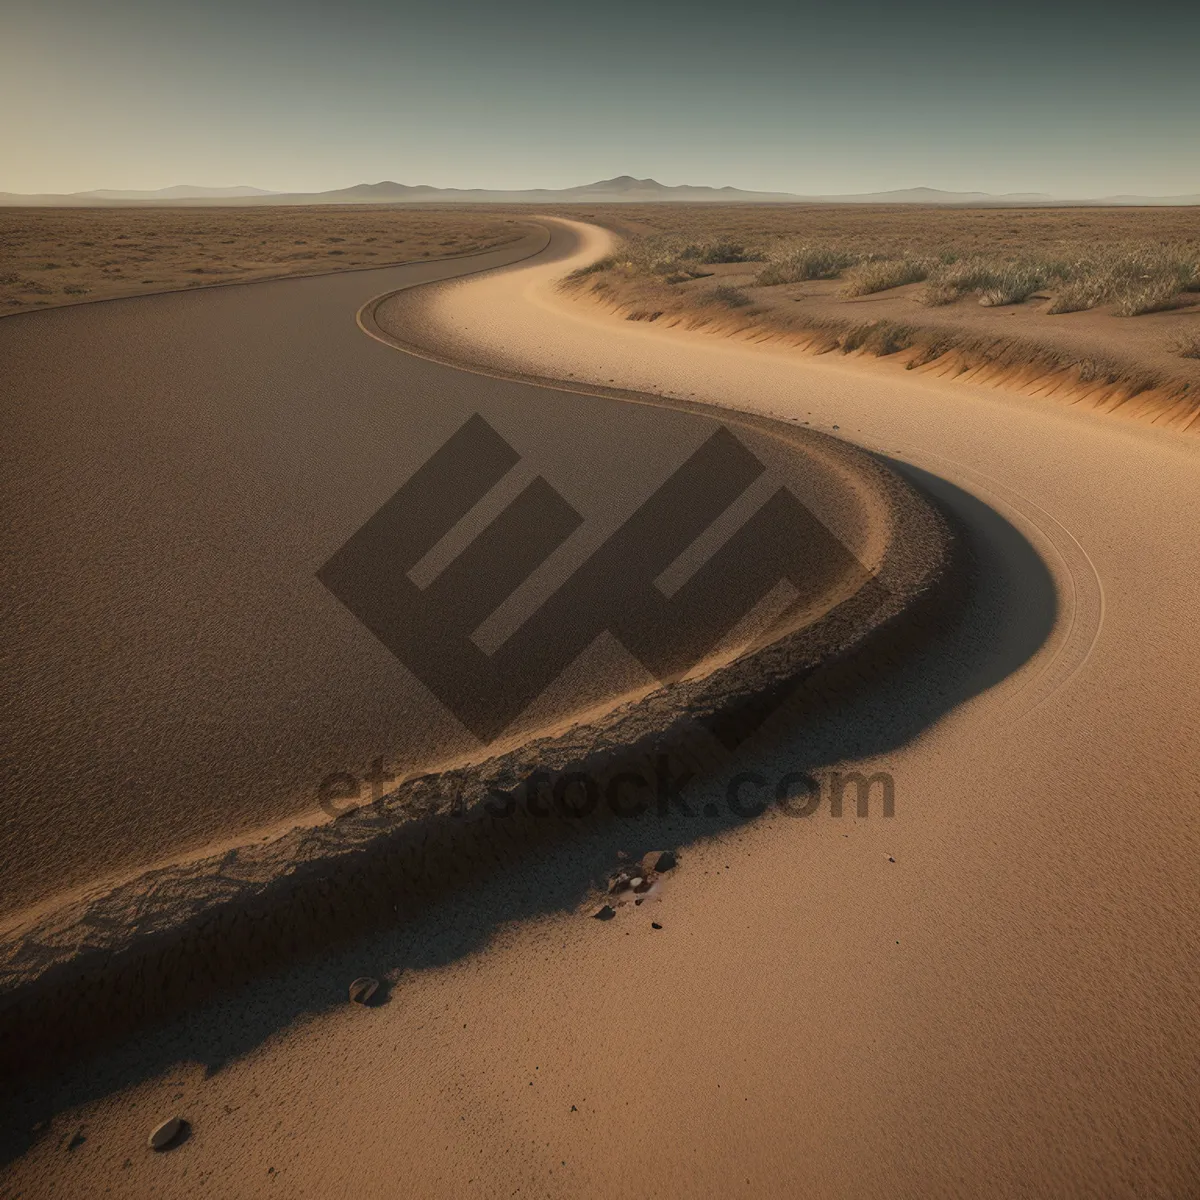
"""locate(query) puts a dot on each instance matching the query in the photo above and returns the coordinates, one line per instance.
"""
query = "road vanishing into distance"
(991, 994)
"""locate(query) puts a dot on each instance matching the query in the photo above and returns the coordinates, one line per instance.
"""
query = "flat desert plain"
(50, 257)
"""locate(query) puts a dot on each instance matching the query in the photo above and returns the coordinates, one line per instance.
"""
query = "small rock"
(620, 882)
(605, 912)
(636, 883)
(655, 925)
(890, 858)
(167, 1133)
(659, 860)
(362, 989)
(642, 885)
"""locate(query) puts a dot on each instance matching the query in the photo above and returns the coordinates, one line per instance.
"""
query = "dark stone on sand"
(659, 860)
(655, 925)
(605, 912)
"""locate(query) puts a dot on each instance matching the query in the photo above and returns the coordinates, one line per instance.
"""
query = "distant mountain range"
(624, 189)
(182, 191)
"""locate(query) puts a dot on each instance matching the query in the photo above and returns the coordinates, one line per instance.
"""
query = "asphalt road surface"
(177, 469)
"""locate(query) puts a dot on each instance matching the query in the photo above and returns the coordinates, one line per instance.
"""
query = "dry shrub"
(799, 263)
(993, 282)
(881, 274)
(730, 297)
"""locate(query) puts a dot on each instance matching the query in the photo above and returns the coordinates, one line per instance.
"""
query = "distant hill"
(182, 191)
(624, 189)
(924, 195)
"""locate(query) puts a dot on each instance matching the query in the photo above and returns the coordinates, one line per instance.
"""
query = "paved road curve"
(176, 470)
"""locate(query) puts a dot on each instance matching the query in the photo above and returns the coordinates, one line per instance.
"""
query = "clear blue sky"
(1064, 96)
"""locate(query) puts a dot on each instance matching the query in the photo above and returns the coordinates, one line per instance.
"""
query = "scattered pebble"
(890, 858)
(655, 925)
(362, 989)
(659, 860)
(605, 912)
(165, 1134)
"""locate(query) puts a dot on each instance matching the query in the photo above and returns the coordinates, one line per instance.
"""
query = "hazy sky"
(1062, 96)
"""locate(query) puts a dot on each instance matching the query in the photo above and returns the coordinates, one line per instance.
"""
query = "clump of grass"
(731, 297)
(800, 263)
(601, 264)
(1014, 284)
(720, 252)
(882, 274)
(938, 292)
(1135, 280)
(1077, 295)
(1147, 294)
(995, 283)
(877, 337)
(1187, 345)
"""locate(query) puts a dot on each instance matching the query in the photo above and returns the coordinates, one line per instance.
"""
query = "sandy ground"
(1022, 344)
(1144, 346)
(52, 256)
(989, 994)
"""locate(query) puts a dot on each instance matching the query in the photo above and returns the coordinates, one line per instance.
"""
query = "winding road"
(990, 994)
(178, 473)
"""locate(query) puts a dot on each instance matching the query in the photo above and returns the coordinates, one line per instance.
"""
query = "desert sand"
(986, 994)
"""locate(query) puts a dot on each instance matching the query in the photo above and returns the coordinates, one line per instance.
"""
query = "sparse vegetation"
(1135, 261)
(731, 297)
(57, 256)
(1187, 345)
(792, 273)
(993, 282)
(883, 274)
(795, 264)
